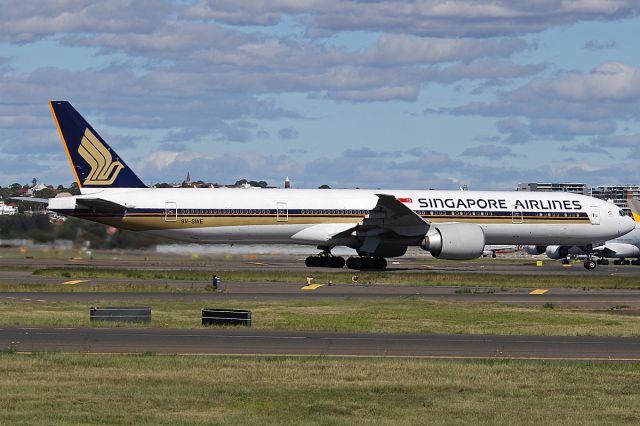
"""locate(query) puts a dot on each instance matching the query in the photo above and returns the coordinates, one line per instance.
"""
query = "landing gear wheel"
(602, 262)
(354, 263)
(337, 262)
(635, 262)
(589, 264)
(324, 260)
(366, 263)
(565, 261)
(312, 261)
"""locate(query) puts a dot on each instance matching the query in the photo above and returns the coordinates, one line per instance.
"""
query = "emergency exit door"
(170, 211)
(594, 215)
(282, 212)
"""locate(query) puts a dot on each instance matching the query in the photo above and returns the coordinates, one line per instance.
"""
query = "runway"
(560, 297)
(295, 263)
(247, 342)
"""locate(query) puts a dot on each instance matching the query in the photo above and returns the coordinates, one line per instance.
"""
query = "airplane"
(494, 250)
(620, 249)
(378, 224)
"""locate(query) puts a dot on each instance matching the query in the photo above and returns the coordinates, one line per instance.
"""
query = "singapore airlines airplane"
(377, 224)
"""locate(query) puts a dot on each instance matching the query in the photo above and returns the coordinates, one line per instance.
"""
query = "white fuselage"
(223, 215)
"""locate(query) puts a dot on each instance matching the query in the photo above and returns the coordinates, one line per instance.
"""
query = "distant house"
(8, 209)
(34, 189)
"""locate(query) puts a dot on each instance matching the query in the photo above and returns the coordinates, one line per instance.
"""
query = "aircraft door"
(516, 215)
(282, 212)
(594, 215)
(170, 211)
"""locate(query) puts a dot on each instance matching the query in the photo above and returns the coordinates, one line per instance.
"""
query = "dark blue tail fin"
(94, 163)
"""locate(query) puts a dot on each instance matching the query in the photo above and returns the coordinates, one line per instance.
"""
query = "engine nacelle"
(454, 241)
(557, 252)
(534, 250)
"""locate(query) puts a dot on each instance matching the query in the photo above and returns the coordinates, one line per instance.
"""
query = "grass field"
(395, 315)
(181, 390)
(412, 278)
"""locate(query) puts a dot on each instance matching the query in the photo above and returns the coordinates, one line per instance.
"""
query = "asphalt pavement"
(247, 342)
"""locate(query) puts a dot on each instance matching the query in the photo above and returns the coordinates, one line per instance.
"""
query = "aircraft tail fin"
(94, 163)
(634, 205)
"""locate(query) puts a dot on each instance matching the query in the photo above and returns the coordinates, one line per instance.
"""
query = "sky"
(369, 94)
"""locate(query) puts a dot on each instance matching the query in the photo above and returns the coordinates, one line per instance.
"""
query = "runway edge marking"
(538, 291)
(312, 287)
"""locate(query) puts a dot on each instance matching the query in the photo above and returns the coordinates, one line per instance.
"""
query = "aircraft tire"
(589, 264)
(313, 261)
(354, 263)
(337, 262)
(635, 262)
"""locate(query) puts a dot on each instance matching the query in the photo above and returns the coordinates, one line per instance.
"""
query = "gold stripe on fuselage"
(147, 222)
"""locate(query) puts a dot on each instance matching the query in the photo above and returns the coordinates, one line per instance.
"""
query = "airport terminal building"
(617, 193)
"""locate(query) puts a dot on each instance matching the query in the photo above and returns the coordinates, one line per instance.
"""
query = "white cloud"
(484, 18)
(25, 22)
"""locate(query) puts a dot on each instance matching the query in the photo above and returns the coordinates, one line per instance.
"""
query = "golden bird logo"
(104, 170)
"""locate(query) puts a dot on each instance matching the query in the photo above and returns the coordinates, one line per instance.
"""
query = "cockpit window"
(625, 212)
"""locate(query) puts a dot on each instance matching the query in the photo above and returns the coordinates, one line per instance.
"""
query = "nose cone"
(626, 225)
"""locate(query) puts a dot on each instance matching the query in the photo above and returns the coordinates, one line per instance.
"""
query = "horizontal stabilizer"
(30, 200)
(100, 205)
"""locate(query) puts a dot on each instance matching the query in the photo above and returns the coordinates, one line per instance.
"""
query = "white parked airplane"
(378, 224)
(621, 249)
(494, 250)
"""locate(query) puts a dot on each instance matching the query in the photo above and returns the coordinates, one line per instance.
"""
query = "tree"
(325, 186)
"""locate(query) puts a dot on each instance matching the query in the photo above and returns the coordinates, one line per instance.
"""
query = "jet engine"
(535, 249)
(454, 241)
(557, 252)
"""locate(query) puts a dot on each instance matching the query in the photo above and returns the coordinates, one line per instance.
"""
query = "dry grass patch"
(163, 390)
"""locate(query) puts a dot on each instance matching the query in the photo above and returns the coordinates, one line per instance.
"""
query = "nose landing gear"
(590, 264)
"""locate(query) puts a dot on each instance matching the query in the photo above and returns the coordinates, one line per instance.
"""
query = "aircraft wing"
(389, 219)
(391, 216)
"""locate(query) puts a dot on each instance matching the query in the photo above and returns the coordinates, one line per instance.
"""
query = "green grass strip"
(402, 278)
(357, 315)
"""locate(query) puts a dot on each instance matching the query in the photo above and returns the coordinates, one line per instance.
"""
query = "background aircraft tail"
(634, 205)
(94, 163)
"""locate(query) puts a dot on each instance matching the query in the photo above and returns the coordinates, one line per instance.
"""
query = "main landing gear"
(325, 260)
(362, 262)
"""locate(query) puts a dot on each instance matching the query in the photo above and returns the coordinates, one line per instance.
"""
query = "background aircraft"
(622, 249)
